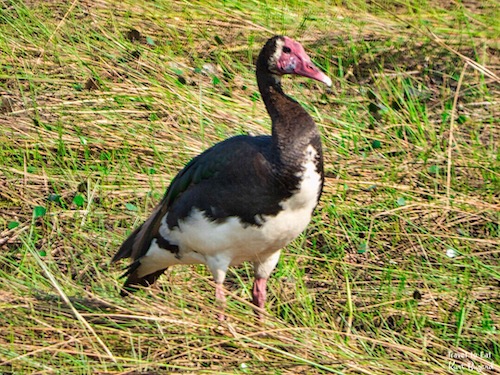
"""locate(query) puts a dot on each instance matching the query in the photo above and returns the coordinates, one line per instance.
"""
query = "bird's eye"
(286, 49)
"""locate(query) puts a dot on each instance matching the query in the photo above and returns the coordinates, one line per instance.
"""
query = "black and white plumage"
(243, 199)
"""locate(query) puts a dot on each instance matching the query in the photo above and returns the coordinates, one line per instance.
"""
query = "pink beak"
(298, 62)
(308, 69)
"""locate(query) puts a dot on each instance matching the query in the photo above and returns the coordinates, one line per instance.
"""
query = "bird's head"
(284, 55)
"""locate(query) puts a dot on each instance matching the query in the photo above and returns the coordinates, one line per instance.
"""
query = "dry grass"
(96, 118)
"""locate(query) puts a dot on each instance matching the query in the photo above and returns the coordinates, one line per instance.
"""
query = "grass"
(102, 104)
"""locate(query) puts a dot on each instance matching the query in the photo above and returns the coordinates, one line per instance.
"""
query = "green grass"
(95, 120)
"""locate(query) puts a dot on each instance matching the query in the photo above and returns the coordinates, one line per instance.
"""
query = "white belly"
(239, 241)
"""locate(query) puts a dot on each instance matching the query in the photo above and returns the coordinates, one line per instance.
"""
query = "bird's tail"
(133, 281)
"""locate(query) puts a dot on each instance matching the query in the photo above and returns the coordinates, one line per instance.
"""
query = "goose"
(243, 199)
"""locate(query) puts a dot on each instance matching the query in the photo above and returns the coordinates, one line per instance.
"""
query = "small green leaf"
(255, 96)
(487, 322)
(177, 71)
(362, 248)
(215, 80)
(150, 41)
(54, 198)
(39, 211)
(376, 143)
(434, 169)
(12, 224)
(401, 202)
(461, 119)
(79, 200)
(218, 39)
(42, 253)
(444, 116)
(130, 207)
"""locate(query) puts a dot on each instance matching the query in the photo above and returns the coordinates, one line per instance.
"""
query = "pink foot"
(259, 296)
(220, 299)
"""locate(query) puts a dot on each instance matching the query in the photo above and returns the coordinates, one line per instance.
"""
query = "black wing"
(218, 182)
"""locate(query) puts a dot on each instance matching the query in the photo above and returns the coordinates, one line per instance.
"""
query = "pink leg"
(259, 295)
(220, 298)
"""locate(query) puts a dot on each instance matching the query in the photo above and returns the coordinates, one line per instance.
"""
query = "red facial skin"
(294, 60)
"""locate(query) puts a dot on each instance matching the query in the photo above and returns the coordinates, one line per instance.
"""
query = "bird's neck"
(292, 127)
(275, 100)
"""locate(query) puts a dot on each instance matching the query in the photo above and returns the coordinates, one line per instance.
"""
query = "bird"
(244, 198)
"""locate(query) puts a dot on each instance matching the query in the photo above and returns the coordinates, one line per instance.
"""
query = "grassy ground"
(103, 102)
